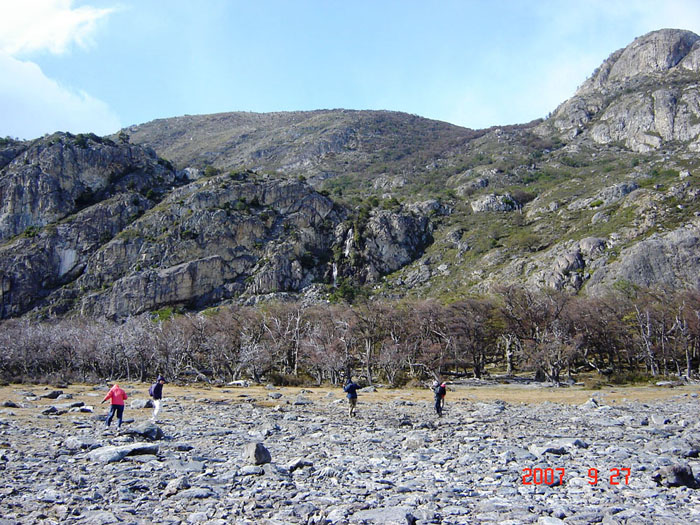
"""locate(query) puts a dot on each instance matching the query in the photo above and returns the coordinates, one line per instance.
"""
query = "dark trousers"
(438, 405)
(119, 411)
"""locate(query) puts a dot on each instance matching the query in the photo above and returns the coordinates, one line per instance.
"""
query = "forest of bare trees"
(544, 334)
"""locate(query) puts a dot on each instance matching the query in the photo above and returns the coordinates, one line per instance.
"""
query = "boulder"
(138, 404)
(52, 395)
(176, 485)
(256, 453)
(147, 429)
(494, 202)
(117, 453)
(400, 515)
(81, 443)
(675, 475)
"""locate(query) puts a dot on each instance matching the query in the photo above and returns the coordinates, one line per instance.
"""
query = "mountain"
(331, 203)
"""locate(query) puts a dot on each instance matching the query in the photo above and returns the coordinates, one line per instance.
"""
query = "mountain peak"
(656, 52)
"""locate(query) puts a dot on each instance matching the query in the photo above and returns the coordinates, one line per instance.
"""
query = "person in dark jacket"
(157, 395)
(440, 389)
(351, 389)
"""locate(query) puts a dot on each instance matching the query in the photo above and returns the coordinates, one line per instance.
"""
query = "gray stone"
(298, 463)
(659, 420)
(138, 404)
(148, 430)
(181, 466)
(80, 443)
(675, 476)
(52, 395)
(301, 400)
(591, 403)
(540, 450)
(194, 493)
(251, 470)
(256, 453)
(400, 515)
(117, 453)
(176, 485)
(550, 520)
(100, 517)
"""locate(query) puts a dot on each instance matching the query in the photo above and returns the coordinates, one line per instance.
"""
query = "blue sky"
(99, 65)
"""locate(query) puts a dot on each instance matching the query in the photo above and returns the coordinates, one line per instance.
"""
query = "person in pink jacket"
(117, 396)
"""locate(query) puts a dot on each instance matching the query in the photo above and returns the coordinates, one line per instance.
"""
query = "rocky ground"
(605, 460)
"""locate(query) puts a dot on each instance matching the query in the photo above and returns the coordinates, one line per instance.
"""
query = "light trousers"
(156, 407)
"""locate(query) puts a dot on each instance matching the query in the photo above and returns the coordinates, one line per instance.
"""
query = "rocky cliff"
(111, 230)
(643, 96)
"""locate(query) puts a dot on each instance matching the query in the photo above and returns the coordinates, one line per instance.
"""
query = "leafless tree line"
(550, 334)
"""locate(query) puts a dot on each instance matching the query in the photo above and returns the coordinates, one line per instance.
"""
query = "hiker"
(156, 392)
(443, 393)
(351, 389)
(440, 389)
(117, 396)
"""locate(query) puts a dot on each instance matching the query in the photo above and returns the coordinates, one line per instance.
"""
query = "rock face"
(110, 230)
(211, 236)
(387, 242)
(643, 95)
(493, 202)
(662, 259)
(66, 196)
(61, 174)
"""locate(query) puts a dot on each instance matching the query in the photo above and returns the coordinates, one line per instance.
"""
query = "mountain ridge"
(602, 193)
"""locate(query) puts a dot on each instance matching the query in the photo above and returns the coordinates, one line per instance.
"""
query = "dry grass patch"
(92, 394)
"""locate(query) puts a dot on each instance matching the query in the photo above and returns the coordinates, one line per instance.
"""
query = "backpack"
(442, 391)
(150, 390)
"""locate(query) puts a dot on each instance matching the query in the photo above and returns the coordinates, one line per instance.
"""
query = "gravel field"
(504, 454)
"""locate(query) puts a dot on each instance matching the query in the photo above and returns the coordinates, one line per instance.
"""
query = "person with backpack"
(351, 389)
(156, 392)
(440, 390)
(117, 396)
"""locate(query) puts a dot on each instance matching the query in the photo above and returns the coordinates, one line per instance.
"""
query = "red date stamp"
(555, 476)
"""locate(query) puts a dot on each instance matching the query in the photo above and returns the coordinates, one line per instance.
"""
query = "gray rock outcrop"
(642, 95)
(388, 241)
(668, 258)
(493, 202)
(112, 454)
(115, 253)
(58, 175)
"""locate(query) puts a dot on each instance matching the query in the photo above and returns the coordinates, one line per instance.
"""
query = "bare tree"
(369, 324)
(536, 319)
(223, 343)
(323, 349)
(283, 329)
(473, 333)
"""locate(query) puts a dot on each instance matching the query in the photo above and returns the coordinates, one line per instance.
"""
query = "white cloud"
(37, 25)
(31, 104)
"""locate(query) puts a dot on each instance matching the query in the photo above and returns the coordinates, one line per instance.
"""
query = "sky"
(102, 65)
